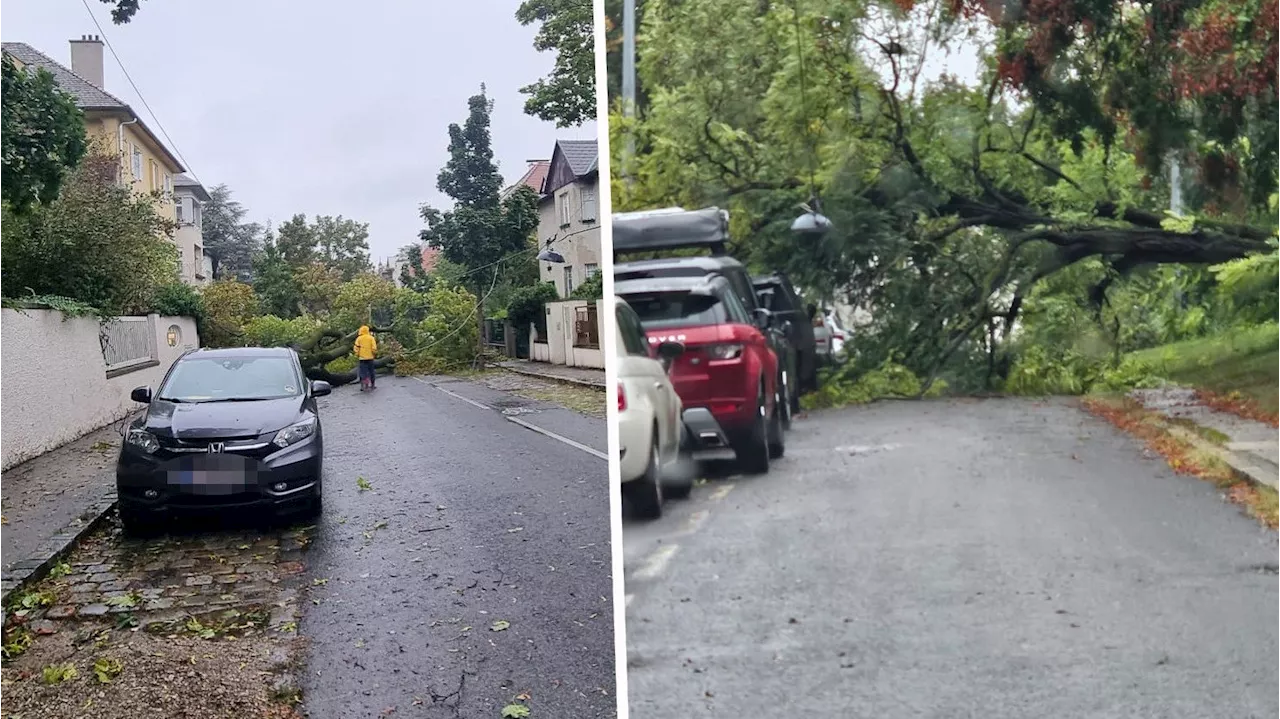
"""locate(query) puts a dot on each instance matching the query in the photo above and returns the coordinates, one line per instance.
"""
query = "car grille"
(255, 447)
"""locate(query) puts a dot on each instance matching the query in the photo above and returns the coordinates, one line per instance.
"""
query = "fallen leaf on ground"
(500, 625)
(515, 711)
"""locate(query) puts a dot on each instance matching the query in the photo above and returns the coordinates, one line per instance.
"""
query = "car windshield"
(231, 379)
(661, 310)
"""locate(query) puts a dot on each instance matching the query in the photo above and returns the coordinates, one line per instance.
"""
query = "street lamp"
(812, 222)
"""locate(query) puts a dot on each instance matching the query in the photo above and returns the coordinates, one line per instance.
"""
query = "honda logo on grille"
(216, 447)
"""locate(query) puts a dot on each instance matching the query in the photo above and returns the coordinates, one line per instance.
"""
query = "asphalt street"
(999, 558)
(462, 563)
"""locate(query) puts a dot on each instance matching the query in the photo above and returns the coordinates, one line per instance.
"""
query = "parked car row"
(712, 362)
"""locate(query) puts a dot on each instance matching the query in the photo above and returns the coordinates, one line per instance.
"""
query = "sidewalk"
(575, 375)
(50, 500)
(1251, 447)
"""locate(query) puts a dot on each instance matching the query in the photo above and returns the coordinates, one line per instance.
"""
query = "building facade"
(569, 215)
(146, 165)
(189, 197)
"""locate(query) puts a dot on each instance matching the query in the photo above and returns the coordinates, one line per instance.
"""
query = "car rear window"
(662, 310)
(221, 379)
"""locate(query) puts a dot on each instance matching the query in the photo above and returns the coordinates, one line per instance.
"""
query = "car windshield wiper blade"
(176, 400)
(238, 399)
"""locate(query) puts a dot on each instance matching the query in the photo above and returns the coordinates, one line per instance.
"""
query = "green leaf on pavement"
(363, 484)
(500, 626)
(515, 711)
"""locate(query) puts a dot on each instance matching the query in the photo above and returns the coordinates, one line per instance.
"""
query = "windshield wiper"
(175, 400)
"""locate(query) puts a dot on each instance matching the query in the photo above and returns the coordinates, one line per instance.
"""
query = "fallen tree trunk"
(383, 365)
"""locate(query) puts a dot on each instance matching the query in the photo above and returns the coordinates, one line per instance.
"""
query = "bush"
(228, 305)
(592, 289)
(272, 331)
(528, 305)
(842, 387)
(178, 299)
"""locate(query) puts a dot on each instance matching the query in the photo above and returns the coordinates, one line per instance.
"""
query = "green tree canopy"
(43, 136)
(228, 236)
(567, 96)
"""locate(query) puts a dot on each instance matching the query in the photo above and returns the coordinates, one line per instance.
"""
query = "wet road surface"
(462, 563)
(988, 559)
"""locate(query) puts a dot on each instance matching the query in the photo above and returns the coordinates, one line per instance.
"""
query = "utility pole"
(629, 78)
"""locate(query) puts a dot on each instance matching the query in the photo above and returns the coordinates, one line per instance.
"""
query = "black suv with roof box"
(777, 295)
(654, 231)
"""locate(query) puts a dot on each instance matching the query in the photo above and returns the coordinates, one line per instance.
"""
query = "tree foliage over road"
(954, 201)
(567, 96)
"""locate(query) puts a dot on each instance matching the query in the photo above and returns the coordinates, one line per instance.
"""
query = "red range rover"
(727, 375)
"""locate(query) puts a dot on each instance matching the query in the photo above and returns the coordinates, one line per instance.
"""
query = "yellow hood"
(364, 329)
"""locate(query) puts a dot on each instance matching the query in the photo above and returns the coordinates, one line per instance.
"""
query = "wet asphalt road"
(984, 559)
(470, 520)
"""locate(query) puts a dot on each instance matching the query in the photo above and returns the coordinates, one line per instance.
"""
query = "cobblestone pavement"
(187, 593)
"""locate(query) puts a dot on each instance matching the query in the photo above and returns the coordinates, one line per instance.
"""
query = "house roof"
(185, 181)
(87, 95)
(580, 154)
(533, 178)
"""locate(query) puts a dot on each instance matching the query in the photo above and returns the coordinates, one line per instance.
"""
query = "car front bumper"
(279, 483)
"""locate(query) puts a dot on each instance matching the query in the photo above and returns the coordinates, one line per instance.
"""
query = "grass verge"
(1185, 457)
(1236, 372)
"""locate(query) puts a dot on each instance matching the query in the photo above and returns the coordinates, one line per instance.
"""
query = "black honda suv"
(228, 429)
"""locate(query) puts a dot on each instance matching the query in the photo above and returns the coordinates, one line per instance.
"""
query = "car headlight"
(143, 440)
(294, 434)
(725, 352)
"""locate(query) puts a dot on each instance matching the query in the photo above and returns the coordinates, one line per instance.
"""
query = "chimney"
(86, 59)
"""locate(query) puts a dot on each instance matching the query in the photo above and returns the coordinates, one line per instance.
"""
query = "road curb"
(555, 378)
(34, 568)
(1242, 469)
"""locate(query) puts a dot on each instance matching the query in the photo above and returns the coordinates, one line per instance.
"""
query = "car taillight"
(725, 351)
(622, 399)
(840, 336)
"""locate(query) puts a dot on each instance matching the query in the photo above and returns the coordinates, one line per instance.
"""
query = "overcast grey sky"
(316, 106)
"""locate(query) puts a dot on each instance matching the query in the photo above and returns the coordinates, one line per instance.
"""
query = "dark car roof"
(701, 284)
(240, 352)
(706, 264)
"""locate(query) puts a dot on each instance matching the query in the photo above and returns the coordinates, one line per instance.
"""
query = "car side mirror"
(812, 310)
(320, 388)
(141, 394)
(763, 317)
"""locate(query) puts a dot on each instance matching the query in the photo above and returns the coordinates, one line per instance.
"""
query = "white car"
(650, 429)
(829, 336)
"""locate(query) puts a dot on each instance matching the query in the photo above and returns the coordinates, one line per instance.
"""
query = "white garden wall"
(55, 382)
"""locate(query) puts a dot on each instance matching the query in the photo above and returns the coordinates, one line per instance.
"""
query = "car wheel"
(645, 494)
(777, 434)
(316, 507)
(753, 453)
(138, 524)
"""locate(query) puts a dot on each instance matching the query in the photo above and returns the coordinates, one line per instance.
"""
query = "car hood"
(221, 420)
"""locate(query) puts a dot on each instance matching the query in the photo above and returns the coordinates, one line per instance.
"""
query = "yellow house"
(145, 163)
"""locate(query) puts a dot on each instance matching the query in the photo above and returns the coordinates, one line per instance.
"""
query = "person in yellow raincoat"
(365, 348)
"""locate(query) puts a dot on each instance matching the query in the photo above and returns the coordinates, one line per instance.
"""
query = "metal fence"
(586, 327)
(126, 342)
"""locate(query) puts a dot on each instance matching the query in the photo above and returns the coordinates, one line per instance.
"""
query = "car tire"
(753, 452)
(644, 495)
(316, 507)
(777, 434)
(138, 524)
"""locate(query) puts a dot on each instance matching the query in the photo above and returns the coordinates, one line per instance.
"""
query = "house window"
(197, 217)
(568, 280)
(590, 270)
(137, 162)
(181, 206)
(588, 204)
(168, 185)
(562, 203)
(155, 176)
